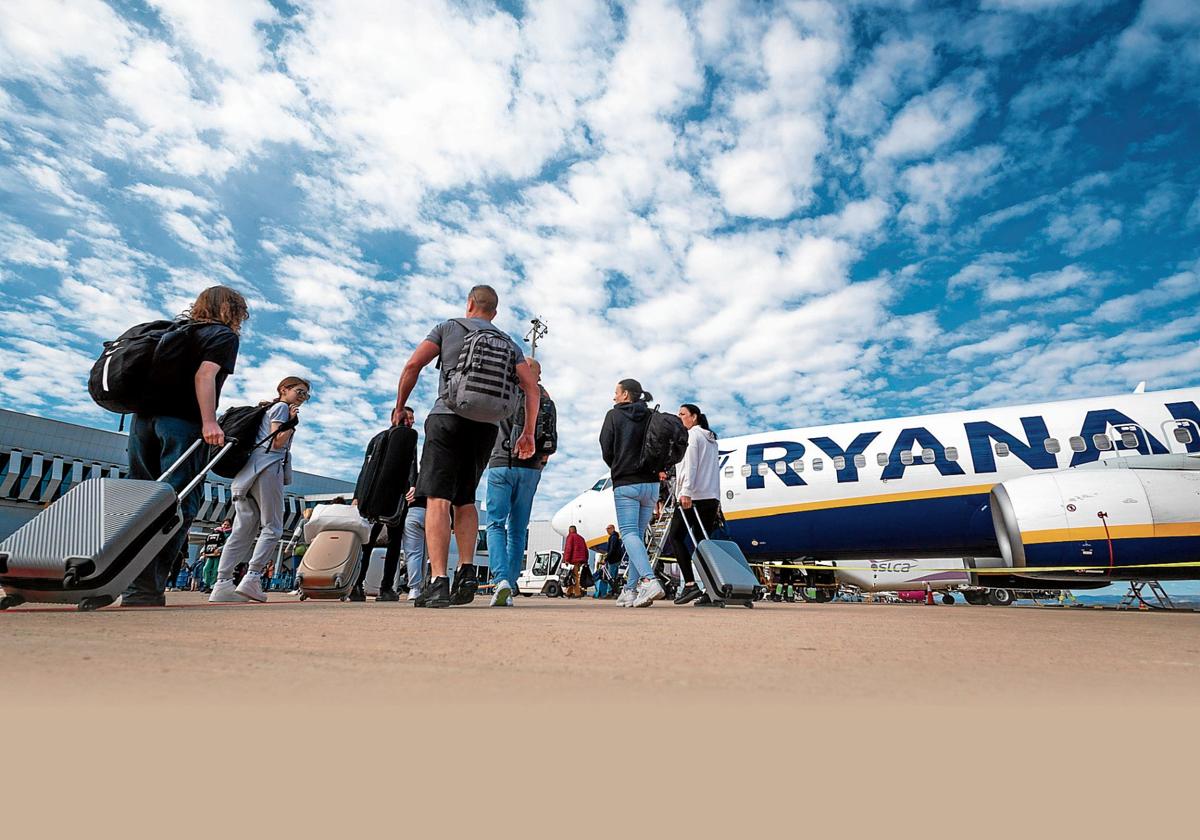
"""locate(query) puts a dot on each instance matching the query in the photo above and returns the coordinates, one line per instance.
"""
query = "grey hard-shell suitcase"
(329, 567)
(87, 547)
(723, 569)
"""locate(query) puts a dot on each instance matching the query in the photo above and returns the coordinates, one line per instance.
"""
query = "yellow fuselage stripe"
(885, 498)
(1116, 532)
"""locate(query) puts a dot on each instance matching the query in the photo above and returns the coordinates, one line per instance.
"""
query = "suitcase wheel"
(99, 601)
(11, 601)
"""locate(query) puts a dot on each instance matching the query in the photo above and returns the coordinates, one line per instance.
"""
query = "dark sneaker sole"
(688, 596)
(465, 593)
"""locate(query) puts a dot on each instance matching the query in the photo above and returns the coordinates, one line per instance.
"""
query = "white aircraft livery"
(1081, 489)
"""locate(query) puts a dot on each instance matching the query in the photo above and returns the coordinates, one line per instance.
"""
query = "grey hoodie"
(698, 475)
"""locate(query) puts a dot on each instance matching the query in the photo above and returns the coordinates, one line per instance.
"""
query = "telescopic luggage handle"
(229, 444)
(700, 522)
(200, 476)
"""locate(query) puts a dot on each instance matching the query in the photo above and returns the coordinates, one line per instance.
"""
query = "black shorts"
(455, 455)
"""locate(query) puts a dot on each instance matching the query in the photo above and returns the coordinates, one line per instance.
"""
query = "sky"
(788, 213)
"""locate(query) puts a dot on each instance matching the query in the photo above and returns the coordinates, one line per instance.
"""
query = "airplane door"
(1180, 436)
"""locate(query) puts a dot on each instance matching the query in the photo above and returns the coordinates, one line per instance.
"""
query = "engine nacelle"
(1100, 520)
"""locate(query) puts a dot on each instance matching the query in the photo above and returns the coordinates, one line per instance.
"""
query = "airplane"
(1073, 494)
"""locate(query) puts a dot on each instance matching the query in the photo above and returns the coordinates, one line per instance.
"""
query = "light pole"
(537, 332)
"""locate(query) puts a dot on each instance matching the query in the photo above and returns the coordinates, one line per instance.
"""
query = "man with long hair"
(199, 353)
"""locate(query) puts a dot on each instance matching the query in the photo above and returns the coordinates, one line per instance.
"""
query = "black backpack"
(120, 378)
(142, 361)
(665, 443)
(482, 385)
(545, 430)
(383, 481)
(241, 424)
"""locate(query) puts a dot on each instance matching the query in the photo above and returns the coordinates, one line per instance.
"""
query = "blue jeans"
(635, 508)
(414, 549)
(510, 492)
(155, 443)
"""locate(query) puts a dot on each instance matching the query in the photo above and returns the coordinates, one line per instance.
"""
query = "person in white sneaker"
(258, 498)
(635, 485)
(502, 595)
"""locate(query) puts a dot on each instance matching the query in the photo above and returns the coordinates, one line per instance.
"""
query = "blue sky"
(788, 213)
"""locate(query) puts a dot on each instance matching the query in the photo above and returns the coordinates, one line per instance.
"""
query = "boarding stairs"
(656, 534)
(1135, 598)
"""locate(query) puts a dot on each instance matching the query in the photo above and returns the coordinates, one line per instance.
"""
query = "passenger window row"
(1102, 442)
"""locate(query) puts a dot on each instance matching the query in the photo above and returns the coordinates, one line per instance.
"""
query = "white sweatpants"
(258, 513)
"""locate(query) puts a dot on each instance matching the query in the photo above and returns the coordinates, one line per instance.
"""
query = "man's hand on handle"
(212, 433)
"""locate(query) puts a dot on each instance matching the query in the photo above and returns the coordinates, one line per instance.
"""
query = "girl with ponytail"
(698, 490)
(258, 497)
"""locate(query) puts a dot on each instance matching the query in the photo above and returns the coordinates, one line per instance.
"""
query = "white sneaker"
(414, 594)
(648, 591)
(251, 589)
(224, 592)
(626, 597)
(502, 596)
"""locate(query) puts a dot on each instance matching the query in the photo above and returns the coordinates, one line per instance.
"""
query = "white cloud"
(1007, 341)
(894, 67)
(933, 188)
(1085, 228)
(1035, 6)
(222, 31)
(21, 246)
(931, 120)
(40, 40)
(778, 128)
(1167, 292)
(1163, 29)
(194, 220)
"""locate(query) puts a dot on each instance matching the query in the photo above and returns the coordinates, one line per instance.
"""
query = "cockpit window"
(602, 484)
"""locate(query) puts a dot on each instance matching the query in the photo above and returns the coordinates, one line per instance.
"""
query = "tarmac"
(581, 717)
(546, 650)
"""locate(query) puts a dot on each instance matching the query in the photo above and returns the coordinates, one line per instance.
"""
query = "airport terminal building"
(41, 459)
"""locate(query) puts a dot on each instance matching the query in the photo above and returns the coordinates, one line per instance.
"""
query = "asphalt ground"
(543, 649)
(787, 713)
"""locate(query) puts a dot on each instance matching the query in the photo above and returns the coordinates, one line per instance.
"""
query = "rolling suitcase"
(87, 547)
(329, 567)
(336, 518)
(723, 570)
(386, 474)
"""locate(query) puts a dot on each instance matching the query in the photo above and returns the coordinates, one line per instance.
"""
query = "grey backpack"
(482, 385)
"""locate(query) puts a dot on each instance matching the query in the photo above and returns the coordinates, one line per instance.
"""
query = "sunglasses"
(300, 392)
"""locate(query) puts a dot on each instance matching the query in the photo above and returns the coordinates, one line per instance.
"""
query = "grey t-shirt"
(500, 456)
(449, 337)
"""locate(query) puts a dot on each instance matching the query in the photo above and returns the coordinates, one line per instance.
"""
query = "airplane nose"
(562, 520)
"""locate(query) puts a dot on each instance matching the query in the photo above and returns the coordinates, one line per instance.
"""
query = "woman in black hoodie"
(635, 489)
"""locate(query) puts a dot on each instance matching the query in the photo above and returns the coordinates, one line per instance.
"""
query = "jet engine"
(1096, 521)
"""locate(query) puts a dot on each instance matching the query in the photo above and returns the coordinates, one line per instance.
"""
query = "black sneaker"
(142, 600)
(386, 595)
(357, 595)
(465, 585)
(436, 594)
(687, 593)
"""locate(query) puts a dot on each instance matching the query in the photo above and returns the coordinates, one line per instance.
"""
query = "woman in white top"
(258, 499)
(698, 494)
